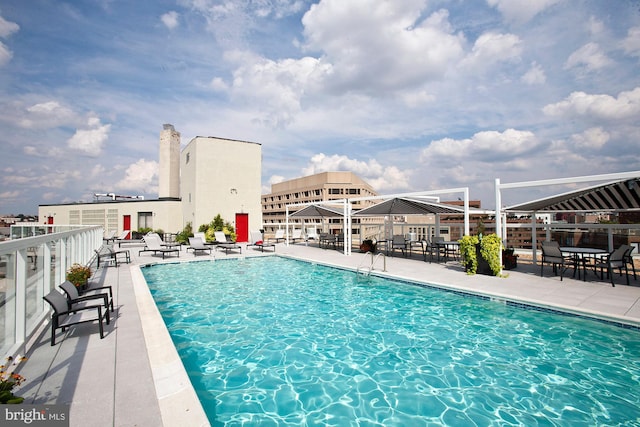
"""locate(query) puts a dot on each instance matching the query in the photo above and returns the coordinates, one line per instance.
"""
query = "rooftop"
(134, 377)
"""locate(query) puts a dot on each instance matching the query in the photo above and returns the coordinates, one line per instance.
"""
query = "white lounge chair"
(296, 235)
(312, 234)
(196, 244)
(153, 243)
(223, 243)
(256, 240)
(279, 235)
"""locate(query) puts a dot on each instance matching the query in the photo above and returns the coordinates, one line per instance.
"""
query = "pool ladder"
(374, 258)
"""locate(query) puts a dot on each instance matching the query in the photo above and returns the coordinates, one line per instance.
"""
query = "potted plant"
(469, 254)
(481, 255)
(490, 248)
(78, 274)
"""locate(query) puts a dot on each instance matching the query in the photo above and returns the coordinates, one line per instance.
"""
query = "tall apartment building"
(321, 187)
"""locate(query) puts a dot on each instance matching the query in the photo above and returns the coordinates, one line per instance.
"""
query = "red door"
(126, 224)
(49, 220)
(242, 227)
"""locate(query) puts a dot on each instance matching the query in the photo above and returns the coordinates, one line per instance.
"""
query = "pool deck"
(133, 377)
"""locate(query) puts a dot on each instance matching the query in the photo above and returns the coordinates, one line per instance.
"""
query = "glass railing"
(31, 264)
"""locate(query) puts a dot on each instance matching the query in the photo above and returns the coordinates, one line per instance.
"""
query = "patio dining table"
(582, 255)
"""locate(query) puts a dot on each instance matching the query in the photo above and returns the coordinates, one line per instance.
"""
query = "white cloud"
(278, 84)
(378, 176)
(535, 75)
(46, 115)
(170, 19)
(387, 48)
(487, 146)
(90, 141)
(589, 57)
(7, 28)
(626, 105)
(5, 55)
(631, 44)
(140, 176)
(591, 139)
(521, 11)
(491, 48)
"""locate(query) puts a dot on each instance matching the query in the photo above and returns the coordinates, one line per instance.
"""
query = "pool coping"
(178, 401)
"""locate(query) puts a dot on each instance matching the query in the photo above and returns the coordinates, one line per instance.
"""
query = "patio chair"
(256, 240)
(223, 243)
(88, 296)
(628, 259)
(153, 243)
(612, 261)
(551, 254)
(429, 249)
(398, 241)
(112, 257)
(63, 316)
(197, 245)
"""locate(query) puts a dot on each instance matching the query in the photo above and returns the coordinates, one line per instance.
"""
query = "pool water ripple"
(273, 341)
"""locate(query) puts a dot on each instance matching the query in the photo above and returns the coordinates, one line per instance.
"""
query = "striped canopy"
(614, 197)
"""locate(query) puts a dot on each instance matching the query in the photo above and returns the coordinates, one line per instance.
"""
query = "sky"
(411, 95)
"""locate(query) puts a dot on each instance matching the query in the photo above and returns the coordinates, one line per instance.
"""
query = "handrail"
(374, 259)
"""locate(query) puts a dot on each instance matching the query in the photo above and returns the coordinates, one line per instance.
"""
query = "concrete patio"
(133, 377)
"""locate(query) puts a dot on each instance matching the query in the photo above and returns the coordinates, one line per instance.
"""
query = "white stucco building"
(211, 176)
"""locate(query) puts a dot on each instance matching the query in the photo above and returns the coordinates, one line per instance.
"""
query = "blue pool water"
(277, 342)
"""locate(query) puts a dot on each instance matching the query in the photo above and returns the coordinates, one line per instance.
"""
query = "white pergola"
(432, 195)
(603, 197)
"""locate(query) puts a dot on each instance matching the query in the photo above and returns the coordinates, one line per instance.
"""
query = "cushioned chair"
(64, 317)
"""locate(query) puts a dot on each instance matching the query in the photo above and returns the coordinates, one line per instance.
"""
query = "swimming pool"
(273, 341)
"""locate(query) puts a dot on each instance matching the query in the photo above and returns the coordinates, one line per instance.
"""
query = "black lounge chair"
(63, 316)
(74, 297)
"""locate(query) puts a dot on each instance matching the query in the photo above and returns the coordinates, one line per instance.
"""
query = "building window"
(145, 220)
(187, 157)
(335, 191)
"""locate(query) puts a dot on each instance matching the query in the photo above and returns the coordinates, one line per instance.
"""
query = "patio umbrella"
(317, 211)
(406, 206)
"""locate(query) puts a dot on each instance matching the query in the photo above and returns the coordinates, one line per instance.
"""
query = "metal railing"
(29, 268)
